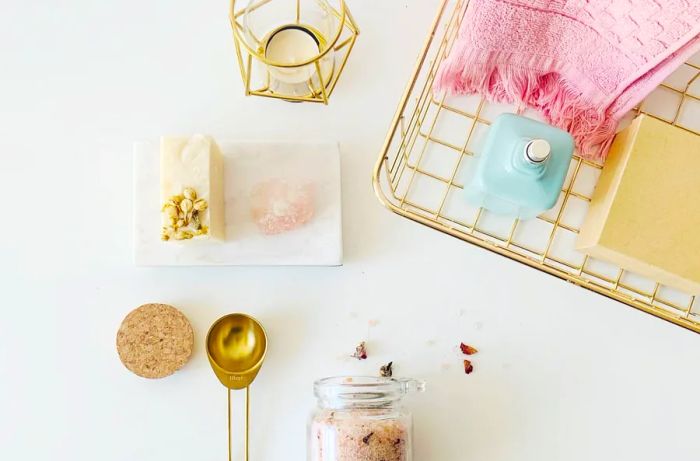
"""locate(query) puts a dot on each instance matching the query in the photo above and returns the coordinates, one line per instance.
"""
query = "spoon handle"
(229, 424)
(247, 416)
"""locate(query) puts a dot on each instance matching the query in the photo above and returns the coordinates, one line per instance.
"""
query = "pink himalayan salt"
(358, 435)
(279, 206)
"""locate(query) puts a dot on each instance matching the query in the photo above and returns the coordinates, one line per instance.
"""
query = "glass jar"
(361, 418)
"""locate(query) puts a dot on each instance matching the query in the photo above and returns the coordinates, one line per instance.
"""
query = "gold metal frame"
(342, 43)
(415, 128)
(237, 363)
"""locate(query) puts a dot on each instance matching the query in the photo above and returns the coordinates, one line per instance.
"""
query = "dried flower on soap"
(467, 350)
(186, 206)
(183, 220)
(190, 194)
(386, 371)
(361, 351)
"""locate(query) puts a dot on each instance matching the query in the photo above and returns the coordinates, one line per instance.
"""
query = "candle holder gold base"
(306, 79)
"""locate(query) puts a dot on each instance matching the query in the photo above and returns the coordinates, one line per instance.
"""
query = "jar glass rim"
(364, 390)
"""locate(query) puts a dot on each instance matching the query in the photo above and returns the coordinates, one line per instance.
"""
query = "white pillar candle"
(292, 44)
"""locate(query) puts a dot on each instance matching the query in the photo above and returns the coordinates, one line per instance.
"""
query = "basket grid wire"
(421, 174)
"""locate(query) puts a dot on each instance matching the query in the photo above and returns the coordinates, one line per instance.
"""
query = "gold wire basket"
(430, 146)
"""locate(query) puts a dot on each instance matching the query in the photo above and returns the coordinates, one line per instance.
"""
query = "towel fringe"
(560, 103)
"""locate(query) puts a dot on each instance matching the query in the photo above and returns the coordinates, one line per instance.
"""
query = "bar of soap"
(645, 211)
(191, 188)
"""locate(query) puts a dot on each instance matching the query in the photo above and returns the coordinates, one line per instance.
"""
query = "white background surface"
(564, 374)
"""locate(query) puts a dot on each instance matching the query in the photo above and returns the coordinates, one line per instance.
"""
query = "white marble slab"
(317, 243)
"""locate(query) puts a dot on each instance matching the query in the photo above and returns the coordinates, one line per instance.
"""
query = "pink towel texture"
(583, 63)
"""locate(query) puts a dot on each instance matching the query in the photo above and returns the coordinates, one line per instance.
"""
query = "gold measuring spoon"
(236, 347)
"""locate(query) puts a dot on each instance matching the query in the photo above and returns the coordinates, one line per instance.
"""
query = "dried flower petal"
(386, 371)
(176, 199)
(183, 235)
(468, 367)
(196, 222)
(190, 194)
(200, 204)
(165, 234)
(361, 351)
(186, 205)
(171, 209)
(468, 350)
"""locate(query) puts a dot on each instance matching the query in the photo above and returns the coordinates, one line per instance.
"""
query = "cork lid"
(155, 340)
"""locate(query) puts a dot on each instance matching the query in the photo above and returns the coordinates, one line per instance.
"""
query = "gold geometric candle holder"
(295, 50)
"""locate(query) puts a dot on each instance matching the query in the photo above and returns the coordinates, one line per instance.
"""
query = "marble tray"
(318, 243)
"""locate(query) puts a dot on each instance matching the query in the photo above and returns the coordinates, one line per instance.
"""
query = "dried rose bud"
(468, 350)
(360, 351)
(468, 367)
(386, 371)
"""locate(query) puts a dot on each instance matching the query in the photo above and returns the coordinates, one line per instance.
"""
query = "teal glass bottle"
(522, 168)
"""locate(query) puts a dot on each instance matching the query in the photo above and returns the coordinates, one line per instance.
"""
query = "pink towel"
(583, 63)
